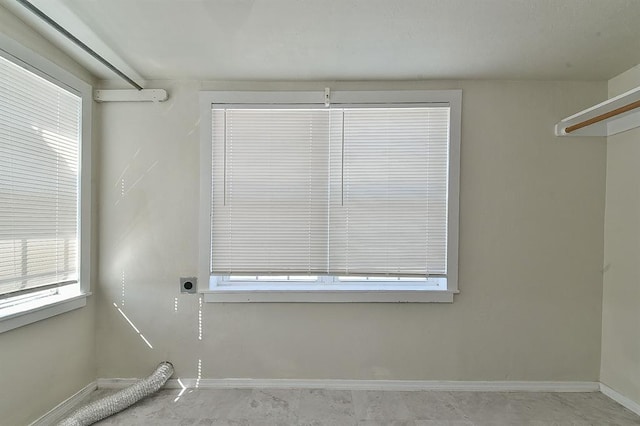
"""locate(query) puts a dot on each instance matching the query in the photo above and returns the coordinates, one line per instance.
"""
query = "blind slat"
(334, 191)
(39, 153)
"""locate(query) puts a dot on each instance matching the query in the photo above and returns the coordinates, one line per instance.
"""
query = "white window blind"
(340, 191)
(270, 191)
(389, 212)
(39, 175)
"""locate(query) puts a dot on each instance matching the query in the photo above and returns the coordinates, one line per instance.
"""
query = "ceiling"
(352, 39)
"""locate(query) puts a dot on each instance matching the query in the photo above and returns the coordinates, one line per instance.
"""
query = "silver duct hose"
(107, 406)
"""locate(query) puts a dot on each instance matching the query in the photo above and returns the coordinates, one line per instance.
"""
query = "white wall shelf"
(612, 116)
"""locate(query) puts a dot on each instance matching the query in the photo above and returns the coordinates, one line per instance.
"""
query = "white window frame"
(70, 297)
(328, 289)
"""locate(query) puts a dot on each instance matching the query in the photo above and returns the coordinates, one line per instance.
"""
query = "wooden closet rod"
(604, 116)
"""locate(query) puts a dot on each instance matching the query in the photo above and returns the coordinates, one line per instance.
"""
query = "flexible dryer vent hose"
(107, 406)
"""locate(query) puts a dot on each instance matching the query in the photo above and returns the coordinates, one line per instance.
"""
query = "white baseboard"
(385, 385)
(620, 399)
(65, 407)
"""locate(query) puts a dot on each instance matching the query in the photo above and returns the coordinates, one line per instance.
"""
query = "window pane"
(342, 191)
(389, 191)
(269, 191)
(39, 150)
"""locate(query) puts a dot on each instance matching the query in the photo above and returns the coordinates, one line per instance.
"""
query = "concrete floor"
(244, 407)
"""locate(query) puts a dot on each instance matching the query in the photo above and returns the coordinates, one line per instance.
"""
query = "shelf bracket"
(613, 116)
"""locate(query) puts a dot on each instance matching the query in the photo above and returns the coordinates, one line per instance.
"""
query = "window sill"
(335, 294)
(47, 307)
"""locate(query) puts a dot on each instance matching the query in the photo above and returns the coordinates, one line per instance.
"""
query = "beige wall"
(531, 250)
(44, 363)
(620, 368)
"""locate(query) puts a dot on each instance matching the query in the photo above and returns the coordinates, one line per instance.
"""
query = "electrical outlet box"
(188, 285)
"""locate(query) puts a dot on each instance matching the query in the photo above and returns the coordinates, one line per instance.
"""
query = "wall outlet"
(188, 285)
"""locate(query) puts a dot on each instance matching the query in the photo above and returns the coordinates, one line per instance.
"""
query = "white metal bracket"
(145, 95)
(327, 97)
(608, 118)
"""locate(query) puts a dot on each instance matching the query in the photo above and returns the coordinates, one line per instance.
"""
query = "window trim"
(327, 293)
(64, 301)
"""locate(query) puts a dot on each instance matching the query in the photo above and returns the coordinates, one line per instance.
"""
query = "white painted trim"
(408, 294)
(271, 99)
(47, 307)
(85, 220)
(620, 399)
(339, 98)
(57, 413)
(204, 211)
(454, 98)
(383, 385)
(342, 98)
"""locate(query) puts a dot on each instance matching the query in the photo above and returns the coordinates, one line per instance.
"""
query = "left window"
(44, 188)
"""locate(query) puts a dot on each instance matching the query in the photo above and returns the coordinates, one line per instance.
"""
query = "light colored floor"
(315, 407)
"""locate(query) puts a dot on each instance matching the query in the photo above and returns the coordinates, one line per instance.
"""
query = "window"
(44, 167)
(352, 201)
